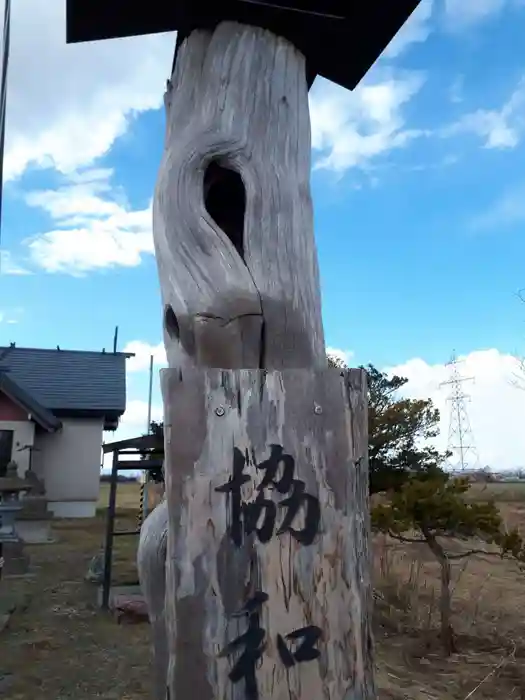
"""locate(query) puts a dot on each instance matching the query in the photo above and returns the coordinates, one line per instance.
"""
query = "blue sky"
(418, 187)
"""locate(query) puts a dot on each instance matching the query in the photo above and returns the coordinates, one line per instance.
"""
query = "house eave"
(110, 417)
(35, 411)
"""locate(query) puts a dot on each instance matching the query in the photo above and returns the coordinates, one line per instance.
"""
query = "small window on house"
(6, 450)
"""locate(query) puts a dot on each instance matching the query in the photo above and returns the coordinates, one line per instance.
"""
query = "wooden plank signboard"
(269, 591)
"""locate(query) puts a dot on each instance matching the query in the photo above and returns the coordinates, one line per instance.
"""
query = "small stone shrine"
(33, 523)
(14, 560)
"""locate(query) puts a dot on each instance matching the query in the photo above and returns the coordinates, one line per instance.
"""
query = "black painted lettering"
(306, 637)
(260, 515)
(312, 519)
(252, 643)
(252, 513)
(232, 488)
(271, 467)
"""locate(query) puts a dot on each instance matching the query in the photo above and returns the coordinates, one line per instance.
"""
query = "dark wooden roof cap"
(341, 39)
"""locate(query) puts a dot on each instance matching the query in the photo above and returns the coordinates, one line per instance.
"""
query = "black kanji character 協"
(233, 488)
(271, 467)
(293, 503)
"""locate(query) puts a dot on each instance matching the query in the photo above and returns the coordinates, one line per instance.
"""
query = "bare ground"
(62, 646)
(59, 645)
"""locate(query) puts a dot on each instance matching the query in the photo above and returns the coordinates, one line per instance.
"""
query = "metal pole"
(110, 529)
(144, 495)
(3, 104)
(150, 392)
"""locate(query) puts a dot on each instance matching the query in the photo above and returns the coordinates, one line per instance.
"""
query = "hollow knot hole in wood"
(171, 324)
(225, 202)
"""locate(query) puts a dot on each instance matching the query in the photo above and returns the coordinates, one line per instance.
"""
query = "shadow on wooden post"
(266, 587)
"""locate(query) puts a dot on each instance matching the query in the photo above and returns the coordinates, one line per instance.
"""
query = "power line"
(460, 436)
(287, 8)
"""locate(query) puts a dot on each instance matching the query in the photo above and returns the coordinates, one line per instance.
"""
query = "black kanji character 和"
(306, 651)
(252, 642)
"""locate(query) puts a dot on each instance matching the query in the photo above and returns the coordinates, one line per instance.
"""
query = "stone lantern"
(13, 560)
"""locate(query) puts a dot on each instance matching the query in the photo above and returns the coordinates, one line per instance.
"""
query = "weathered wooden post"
(267, 589)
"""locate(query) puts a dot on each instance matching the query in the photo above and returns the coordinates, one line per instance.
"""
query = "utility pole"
(460, 436)
(145, 474)
(3, 104)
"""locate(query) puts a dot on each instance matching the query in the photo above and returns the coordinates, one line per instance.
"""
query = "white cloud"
(507, 210)
(94, 226)
(11, 316)
(465, 13)
(353, 128)
(339, 354)
(416, 29)
(133, 423)
(9, 266)
(499, 128)
(143, 352)
(456, 89)
(496, 409)
(68, 103)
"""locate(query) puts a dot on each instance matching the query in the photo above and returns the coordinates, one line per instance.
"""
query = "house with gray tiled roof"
(54, 407)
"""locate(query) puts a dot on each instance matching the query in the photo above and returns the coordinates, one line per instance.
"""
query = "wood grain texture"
(233, 233)
(238, 99)
(208, 413)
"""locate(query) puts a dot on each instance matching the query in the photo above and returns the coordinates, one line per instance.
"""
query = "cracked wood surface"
(208, 413)
(248, 297)
(238, 99)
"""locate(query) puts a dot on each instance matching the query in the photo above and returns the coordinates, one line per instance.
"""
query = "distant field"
(128, 493)
(128, 496)
(503, 491)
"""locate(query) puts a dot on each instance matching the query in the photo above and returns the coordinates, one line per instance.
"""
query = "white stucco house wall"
(54, 407)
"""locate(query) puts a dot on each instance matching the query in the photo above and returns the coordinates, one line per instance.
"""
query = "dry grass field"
(60, 646)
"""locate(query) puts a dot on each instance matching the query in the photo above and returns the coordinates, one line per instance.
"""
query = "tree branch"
(450, 557)
(407, 540)
(472, 552)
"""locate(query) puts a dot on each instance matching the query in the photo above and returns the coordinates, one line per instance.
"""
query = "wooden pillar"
(232, 215)
(267, 589)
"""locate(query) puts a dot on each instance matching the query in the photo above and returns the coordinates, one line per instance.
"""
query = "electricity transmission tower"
(460, 436)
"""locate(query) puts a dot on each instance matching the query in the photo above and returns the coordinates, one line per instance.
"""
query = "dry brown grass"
(63, 647)
(488, 596)
(501, 492)
(128, 495)
(60, 645)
